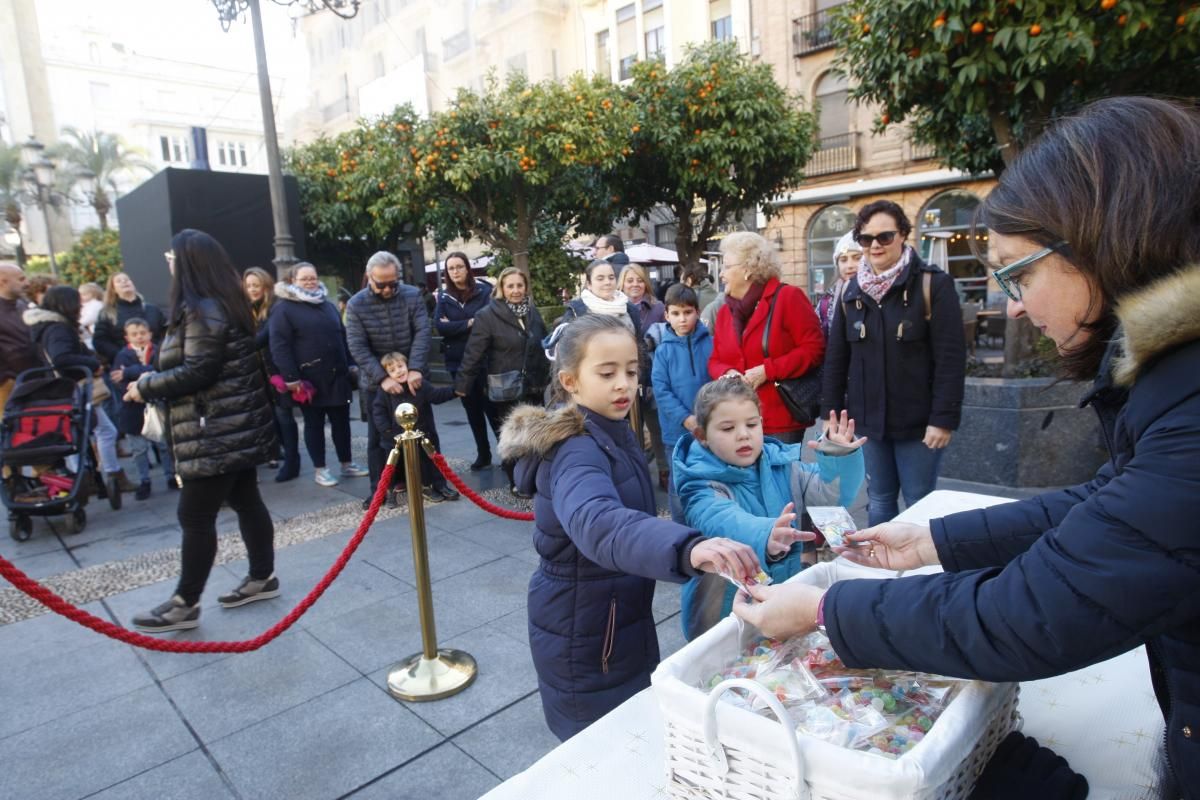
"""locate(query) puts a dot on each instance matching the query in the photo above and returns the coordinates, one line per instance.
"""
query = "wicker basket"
(718, 750)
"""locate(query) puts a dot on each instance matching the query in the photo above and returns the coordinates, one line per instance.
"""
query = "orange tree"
(978, 78)
(508, 165)
(95, 256)
(712, 138)
(352, 202)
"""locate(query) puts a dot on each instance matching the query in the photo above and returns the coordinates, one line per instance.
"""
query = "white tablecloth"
(1103, 719)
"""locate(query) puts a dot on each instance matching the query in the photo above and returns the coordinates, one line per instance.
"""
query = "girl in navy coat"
(591, 626)
(308, 343)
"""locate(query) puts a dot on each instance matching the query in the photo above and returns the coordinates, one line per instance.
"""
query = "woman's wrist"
(926, 549)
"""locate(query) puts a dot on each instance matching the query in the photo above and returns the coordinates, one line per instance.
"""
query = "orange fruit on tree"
(1107, 5)
(1035, 30)
(977, 28)
(885, 118)
(939, 22)
(914, 53)
(866, 28)
(1121, 20)
(1181, 20)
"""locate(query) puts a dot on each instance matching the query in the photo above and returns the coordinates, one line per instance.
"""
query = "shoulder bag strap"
(927, 293)
(770, 315)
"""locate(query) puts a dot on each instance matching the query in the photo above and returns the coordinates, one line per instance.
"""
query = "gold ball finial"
(406, 416)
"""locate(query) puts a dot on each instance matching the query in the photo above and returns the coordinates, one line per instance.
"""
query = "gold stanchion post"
(433, 673)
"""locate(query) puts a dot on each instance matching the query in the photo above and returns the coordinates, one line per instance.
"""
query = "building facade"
(853, 166)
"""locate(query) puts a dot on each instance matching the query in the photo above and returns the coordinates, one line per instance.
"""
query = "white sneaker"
(324, 477)
(353, 470)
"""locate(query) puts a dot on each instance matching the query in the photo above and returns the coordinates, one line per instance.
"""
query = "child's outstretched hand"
(783, 535)
(839, 432)
(725, 555)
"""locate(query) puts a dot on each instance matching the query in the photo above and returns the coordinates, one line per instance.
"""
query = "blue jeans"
(894, 467)
(105, 434)
(140, 447)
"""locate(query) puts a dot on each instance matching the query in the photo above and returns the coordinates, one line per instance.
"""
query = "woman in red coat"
(750, 273)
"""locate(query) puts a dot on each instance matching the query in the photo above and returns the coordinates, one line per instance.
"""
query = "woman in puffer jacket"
(1063, 580)
(221, 425)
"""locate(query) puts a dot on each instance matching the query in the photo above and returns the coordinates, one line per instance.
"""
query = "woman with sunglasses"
(894, 364)
(1094, 230)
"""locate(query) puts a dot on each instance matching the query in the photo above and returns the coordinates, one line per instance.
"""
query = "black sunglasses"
(385, 285)
(885, 238)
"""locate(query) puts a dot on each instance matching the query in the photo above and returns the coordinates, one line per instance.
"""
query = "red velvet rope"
(474, 497)
(60, 606)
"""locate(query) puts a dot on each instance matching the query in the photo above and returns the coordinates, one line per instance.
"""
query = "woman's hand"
(840, 431)
(725, 555)
(133, 394)
(690, 423)
(783, 535)
(732, 373)
(936, 438)
(755, 376)
(117, 375)
(293, 386)
(892, 545)
(782, 610)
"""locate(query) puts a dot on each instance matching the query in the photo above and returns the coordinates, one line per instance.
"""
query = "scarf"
(741, 308)
(876, 286)
(617, 307)
(290, 291)
(520, 310)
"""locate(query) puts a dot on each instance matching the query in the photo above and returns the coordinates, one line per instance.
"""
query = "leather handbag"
(801, 396)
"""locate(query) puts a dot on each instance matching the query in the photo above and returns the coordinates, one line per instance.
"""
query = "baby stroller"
(45, 454)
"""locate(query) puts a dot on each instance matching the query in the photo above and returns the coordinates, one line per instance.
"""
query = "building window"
(602, 56)
(827, 226)
(833, 95)
(456, 45)
(951, 213)
(242, 154)
(627, 44)
(655, 26)
(721, 14)
(175, 149)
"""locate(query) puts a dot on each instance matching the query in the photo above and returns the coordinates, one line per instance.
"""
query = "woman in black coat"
(895, 364)
(220, 426)
(121, 304)
(54, 327)
(260, 291)
(308, 343)
(457, 305)
(506, 343)
(1057, 582)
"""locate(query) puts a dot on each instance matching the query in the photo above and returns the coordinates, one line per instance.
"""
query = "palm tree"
(104, 155)
(11, 187)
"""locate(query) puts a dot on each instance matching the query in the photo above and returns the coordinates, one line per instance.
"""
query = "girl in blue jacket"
(591, 626)
(734, 481)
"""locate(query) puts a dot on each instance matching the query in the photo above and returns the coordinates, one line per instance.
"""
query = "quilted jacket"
(376, 326)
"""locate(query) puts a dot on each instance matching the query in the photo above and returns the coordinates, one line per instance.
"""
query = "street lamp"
(227, 12)
(39, 175)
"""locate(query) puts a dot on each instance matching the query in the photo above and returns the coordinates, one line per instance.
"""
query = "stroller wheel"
(20, 528)
(76, 522)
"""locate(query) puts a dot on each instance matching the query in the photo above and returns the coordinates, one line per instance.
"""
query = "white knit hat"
(846, 244)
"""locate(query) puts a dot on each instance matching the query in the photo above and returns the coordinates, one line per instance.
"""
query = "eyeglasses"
(885, 238)
(383, 286)
(1004, 275)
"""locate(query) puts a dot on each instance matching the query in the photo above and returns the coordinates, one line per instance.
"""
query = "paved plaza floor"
(307, 716)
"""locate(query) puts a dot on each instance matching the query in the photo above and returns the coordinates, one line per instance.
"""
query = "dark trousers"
(376, 454)
(314, 432)
(289, 436)
(199, 501)
(481, 412)
(430, 474)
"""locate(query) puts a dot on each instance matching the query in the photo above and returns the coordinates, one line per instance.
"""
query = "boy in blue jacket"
(734, 481)
(136, 358)
(680, 369)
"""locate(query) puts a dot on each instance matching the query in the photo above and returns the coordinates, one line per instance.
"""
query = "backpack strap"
(927, 293)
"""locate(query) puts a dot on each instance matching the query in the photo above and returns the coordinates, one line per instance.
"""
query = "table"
(1103, 719)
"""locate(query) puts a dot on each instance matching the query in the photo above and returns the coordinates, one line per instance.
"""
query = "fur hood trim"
(1155, 319)
(534, 431)
(36, 316)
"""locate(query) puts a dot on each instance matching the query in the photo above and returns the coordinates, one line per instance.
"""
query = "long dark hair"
(1119, 181)
(63, 300)
(204, 271)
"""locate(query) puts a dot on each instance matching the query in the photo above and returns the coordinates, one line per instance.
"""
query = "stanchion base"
(418, 679)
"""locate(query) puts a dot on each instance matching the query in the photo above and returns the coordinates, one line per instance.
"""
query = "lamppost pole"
(285, 246)
(44, 202)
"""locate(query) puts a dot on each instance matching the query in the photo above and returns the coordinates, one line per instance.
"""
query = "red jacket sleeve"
(727, 351)
(802, 345)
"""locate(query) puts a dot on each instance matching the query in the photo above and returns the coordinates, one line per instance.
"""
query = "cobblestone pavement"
(308, 715)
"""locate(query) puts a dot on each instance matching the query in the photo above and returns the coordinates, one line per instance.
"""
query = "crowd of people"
(725, 385)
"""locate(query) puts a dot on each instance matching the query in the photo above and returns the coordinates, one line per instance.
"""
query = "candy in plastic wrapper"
(834, 522)
(761, 579)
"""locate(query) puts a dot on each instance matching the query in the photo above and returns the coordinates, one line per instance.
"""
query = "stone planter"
(1025, 432)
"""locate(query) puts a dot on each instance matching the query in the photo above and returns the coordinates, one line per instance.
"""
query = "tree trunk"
(689, 253)
(1002, 127)
(102, 205)
(524, 235)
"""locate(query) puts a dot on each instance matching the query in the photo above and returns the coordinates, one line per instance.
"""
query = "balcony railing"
(834, 154)
(813, 32)
(920, 152)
